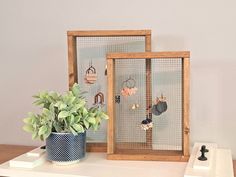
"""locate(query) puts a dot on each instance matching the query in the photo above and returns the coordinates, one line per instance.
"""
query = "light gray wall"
(33, 54)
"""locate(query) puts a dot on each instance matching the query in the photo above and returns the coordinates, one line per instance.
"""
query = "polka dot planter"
(65, 148)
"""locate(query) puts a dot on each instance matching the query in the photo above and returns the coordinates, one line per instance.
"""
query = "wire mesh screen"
(91, 51)
(132, 111)
(128, 134)
(167, 81)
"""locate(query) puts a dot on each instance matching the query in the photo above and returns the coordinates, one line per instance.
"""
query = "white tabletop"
(96, 165)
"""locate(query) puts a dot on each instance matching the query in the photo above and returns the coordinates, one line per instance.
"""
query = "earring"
(146, 124)
(135, 106)
(129, 87)
(160, 105)
(99, 99)
(90, 75)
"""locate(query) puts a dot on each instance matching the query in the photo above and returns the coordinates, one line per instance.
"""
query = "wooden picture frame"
(72, 60)
(136, 154)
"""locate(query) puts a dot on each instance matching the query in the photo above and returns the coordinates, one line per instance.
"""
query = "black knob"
(203, 151)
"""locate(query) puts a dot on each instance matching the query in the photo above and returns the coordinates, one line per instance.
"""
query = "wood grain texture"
(148, 69)
(96, 147)
(148, 42)
(72, 61)
(148, 64)
(107, 33)
(185, 111)
(8, 152)
(148, 157)
(148, 151)
(150, 55)
(110, 106)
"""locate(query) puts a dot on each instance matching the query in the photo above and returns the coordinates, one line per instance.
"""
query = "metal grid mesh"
(166, 79)
(128, 133)
(94, 49)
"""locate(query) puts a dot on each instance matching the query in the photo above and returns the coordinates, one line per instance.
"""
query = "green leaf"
(30, 114)
(57, 104)
(72, 119)
(57, 127)
(79, 128)
(95, 127)
(43, 130)
(74, 109)
(98, 120)
(51, 108)
(46, 134)
(54, 95)
(75, 89)
(43, 94)
(36, 96)
(85, 111)
(77, 119)
(82, 101)
(104, 116)
(86, 124)
(38, 102)
(73, 131)
(63, 114)
(62, 106)
(91, 120)
(93, 109)
(71, 99)
(34, 135)
(68, 98)
(28, 128)
(46, 111)
(27, 120)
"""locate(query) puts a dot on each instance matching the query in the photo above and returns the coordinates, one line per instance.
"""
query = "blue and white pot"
(65, 148)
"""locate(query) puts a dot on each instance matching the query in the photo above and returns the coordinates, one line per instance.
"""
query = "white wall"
(33, 54)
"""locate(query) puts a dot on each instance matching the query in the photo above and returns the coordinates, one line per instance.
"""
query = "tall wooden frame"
(114, 154)
(72, 60)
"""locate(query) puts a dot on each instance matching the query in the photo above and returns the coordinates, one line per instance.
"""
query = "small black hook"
(117, 99)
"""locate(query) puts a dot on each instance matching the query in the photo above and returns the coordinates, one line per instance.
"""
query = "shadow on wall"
(213, 103)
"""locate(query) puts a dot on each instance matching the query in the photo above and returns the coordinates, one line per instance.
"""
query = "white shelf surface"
(96, 165)
(219, 163)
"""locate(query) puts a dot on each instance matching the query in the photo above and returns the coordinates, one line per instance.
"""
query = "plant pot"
(65, 148)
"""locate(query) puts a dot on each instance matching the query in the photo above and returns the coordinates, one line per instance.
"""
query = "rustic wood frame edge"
(72, 60)
(107, 33)
(149, 55)
(185, 56)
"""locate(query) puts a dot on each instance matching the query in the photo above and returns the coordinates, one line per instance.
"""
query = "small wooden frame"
(145, 152)
(72, 60)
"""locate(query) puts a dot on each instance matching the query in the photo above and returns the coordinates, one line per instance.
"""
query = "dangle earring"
(99, 99)
(128, 87)
(90, 74)
(146, 124)
(160, 105)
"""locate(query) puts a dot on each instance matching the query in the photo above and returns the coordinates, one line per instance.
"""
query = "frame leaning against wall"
(73, 58)
(114, 153)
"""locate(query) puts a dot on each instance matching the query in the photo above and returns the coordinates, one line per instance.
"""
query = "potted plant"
(63, 123)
